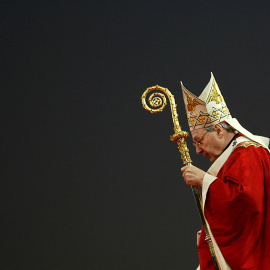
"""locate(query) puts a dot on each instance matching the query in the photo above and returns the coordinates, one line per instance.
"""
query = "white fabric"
(207, 181)
(259, 139)
(213, 105)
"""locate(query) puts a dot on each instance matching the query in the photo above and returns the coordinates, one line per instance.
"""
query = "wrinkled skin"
(211, 147)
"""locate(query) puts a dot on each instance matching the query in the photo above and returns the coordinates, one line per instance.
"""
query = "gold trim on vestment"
(249, 143)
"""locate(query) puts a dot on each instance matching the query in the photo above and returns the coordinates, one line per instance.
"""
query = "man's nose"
(198, 149)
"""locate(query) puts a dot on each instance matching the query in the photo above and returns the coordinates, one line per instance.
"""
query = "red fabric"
(238, 211)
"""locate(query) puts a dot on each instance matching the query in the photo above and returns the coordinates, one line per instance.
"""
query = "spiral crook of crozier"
(156, 100)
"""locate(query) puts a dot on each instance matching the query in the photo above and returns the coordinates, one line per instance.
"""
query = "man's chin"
(213, 159)
(206, 155)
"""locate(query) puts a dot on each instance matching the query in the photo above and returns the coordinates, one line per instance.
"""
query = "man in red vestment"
(236, 188)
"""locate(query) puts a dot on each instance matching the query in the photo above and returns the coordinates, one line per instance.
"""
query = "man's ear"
(219, 130)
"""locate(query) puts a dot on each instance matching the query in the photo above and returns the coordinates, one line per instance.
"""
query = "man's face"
(207, 143)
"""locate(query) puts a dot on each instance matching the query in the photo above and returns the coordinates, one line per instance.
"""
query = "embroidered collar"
(233, 139)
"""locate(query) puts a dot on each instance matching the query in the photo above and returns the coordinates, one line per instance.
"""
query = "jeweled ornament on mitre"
(206, 110)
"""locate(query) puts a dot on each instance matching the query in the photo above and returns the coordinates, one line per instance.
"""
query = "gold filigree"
(192, 121)
(192, 103)
(226, 110)
(216, 114)
(201, 119)
(249, 143)
(219, 113)
(158, 99)
(215, 96)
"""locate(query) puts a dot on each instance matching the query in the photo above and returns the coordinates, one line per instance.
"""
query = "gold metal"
(158, 101)
(192, 102)
(249, 143)
(208, 239)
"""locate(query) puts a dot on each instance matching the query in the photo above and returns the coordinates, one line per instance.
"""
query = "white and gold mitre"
(206, 110)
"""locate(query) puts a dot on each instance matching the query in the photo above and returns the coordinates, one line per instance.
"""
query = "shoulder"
(248, 159)
(248, 144)
(245, 152)
(250, 152)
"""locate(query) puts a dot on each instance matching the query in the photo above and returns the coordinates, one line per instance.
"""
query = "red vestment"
(237, 209)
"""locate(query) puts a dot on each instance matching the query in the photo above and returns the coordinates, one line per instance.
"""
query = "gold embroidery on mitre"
(192, 103)
(196, 119)
(206, 110)
(218, 114)
(214, 96)
(199, 120)
(249, 143)
(226, 110)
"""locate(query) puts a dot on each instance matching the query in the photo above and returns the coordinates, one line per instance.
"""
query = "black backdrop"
(89, 179)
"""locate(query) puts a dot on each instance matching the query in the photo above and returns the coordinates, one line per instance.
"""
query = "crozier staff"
(235, 189)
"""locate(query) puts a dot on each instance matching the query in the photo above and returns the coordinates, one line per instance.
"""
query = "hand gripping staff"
(158, 101)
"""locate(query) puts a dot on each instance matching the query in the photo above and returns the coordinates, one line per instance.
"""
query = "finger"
(183, 168)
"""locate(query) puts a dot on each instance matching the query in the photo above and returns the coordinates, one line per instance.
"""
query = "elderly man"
(235, 189)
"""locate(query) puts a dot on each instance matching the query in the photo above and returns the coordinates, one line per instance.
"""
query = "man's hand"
(193, 175)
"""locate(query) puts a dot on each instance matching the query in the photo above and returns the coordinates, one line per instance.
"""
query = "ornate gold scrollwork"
(156, 99)
(158, 102)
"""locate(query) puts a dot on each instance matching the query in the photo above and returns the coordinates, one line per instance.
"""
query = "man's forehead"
(197, 133)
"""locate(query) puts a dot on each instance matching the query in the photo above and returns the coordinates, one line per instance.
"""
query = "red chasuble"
(237, 209)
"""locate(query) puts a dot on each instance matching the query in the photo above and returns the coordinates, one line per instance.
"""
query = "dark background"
(89, 179)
